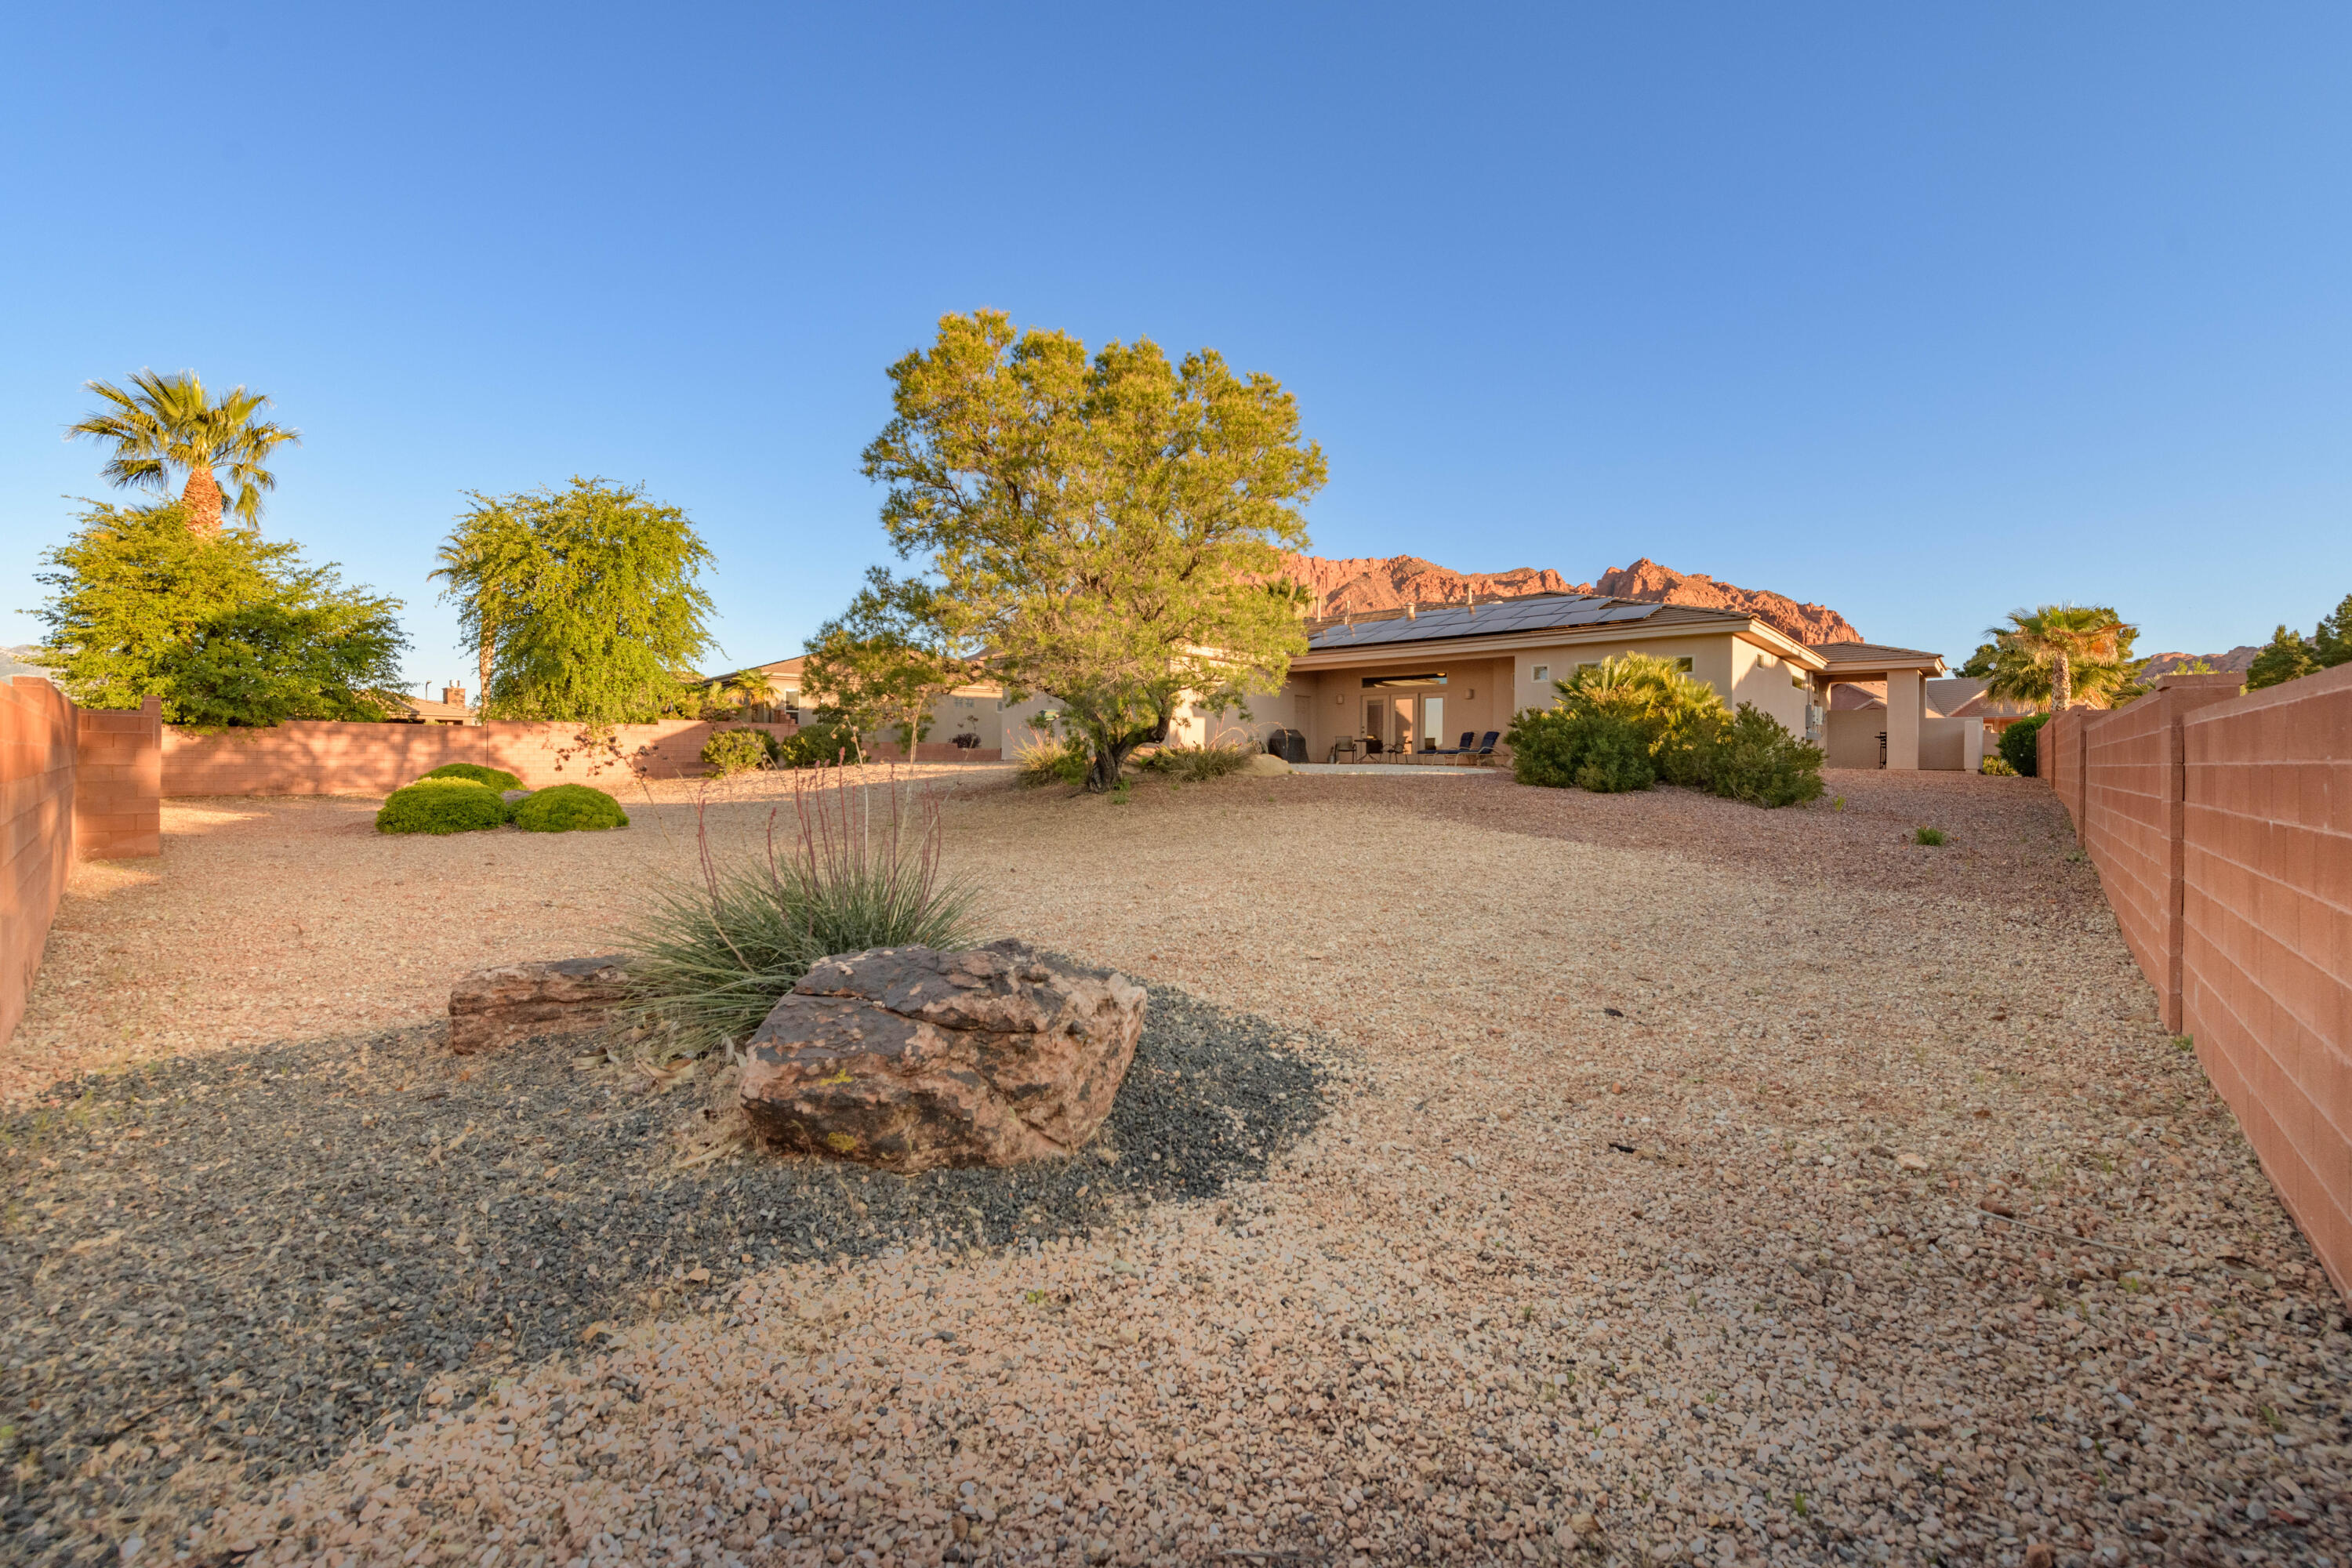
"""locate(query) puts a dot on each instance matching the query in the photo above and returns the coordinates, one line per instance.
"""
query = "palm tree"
(752, 689)
(2059, 653)
(166, 424)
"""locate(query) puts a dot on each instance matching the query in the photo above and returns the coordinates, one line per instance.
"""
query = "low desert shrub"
(441, 805)
(569, 808)
(1564, 746)
(1191, 765)
(1931, 838)
(474, 772)
(818, 746)
(711, 958)
(2018, 742)
(1755, 758)
(1997, 767)
(1054, 763)
(730, 752)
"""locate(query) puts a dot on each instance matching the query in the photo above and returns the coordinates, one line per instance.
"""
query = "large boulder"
(908, 1058)
(516, 1001)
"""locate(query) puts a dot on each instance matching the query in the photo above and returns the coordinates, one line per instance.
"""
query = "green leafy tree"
(2059, 655)
(226, 627)
(167, 426)
(2290, 655)
(882, 665)
(583, 605)
(1981, 663)
(1105, 530)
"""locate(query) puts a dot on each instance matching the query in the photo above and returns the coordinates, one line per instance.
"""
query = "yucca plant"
(711, 957)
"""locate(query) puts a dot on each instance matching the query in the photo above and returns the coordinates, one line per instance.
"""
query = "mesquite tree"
(1105, 530)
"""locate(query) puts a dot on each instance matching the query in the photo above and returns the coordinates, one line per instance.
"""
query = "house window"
(1543, 672)
(1683, 664)
(1797, 680)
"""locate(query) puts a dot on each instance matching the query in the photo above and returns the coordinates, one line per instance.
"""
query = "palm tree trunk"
(2061, 684)
(201, 499)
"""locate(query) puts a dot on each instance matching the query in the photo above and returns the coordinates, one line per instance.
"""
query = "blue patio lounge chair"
(1469, 743)
(1484, 751)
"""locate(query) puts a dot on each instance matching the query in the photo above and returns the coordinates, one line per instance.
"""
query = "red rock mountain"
(1352, 587)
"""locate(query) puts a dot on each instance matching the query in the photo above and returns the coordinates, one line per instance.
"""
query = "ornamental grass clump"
(712, 957)
(1189, 764)
(442, 806)
(474, 772)
(1054, 763)
(569, 808)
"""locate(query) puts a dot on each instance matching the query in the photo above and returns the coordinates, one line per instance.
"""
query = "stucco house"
(1417, 680)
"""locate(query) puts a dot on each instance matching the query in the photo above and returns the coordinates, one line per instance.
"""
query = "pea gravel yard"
(1543, 1177)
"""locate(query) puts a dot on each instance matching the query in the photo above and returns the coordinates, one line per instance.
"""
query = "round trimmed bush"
(441, 805)
(474, 772)
(2020, 741)
(736, 750)
(569, 808)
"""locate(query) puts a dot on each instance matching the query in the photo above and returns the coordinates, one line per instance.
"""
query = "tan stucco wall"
(1853, 737)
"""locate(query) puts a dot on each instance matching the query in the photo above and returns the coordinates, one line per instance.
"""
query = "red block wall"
(2266, 934)
(36, 790)
(309, 757)
(2222, 828)
(72, 780)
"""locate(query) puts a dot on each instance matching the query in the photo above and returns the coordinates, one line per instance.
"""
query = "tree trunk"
(201, 498)
(488, 653)
(2061, 684)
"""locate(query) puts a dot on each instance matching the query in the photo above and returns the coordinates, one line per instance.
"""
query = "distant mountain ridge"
(1365, 584)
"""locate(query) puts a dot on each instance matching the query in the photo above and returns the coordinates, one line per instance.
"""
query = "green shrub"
(1931, 837)
(474, 772)
(1054, 763)
(732, 751)
(1754, 758)
(1612, 759)
(1191, 765)
(1997, 767)
(569, 808)
(818, 746)
(1564, 745)
(441, 805)
(2018, 744)
(710, 959)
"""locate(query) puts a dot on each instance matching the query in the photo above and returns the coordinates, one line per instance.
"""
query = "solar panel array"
(1530, 614)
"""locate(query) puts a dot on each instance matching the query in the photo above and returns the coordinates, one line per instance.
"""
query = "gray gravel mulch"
(253, 1259)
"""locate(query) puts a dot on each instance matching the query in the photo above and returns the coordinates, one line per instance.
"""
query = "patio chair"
(1469, 743)
(1485, 751)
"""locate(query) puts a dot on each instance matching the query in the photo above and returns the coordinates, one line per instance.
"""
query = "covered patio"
(1896, 731)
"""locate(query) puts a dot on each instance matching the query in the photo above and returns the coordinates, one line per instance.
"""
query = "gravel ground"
(1651, 1224)
(230, 1268)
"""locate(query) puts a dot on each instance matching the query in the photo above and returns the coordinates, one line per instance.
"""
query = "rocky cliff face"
(2237, 658)
(1365, 584)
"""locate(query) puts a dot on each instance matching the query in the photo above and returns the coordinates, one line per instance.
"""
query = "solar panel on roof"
(1460, 620)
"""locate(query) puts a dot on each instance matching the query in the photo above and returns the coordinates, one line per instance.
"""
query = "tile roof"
(1873, 654)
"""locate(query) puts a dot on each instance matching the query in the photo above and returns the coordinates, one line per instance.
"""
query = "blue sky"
(1923, 313)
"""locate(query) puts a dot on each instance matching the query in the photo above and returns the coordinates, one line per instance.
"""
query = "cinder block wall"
(309, 757)
(72, 780)
(2221, 827)
(2266, 932)
(36, 799)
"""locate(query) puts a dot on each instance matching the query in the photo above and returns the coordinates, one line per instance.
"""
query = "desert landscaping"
(1504, 1175)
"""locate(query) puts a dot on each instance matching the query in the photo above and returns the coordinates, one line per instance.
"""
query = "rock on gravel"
(907, 1058)
(224, 1268)
(511, 1002)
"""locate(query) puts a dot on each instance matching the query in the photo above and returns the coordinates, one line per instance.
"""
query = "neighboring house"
(1963, 697)
(450, 709)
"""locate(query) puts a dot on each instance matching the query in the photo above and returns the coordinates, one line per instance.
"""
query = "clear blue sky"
(1921, 313)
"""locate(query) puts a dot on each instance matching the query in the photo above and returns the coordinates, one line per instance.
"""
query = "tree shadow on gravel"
(254, 1260)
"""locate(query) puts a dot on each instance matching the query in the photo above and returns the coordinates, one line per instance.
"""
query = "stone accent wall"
(309, 757)
(2221, 827)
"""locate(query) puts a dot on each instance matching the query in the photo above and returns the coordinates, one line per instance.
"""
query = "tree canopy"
(2060, 654)
(881, 665)
(2290, 655)
(583, 603)
(167, 425)
(227, 628)
(1106, 530)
